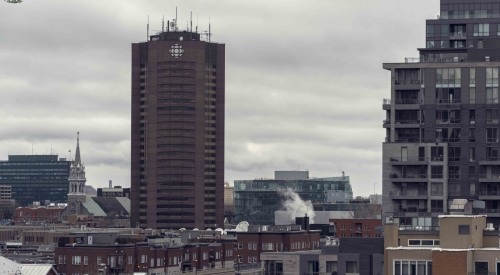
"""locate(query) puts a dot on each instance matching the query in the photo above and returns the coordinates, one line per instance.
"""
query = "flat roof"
(293, 252)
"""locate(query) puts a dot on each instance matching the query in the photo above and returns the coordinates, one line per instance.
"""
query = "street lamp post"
(238, 261)
(196, 267)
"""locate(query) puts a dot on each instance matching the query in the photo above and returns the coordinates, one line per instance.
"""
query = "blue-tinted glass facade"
(36, 178)
(256, 200)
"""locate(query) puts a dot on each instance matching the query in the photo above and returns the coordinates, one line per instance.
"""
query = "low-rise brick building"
(251, 244)
(46, 214)
(367, 228)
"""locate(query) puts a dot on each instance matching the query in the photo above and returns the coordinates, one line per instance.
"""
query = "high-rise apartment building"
(442, 120)
(177, 164)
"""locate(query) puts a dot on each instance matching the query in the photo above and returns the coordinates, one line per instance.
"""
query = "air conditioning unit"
(489, 227)
(487, 58)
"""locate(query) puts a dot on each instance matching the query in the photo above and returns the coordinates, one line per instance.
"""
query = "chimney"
(305, 223)
(343, 175)
(110, 184)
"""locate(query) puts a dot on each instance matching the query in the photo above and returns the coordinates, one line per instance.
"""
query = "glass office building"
(256, 200)
(36, 178)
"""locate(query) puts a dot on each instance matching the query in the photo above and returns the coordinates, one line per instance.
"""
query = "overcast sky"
(304, 80)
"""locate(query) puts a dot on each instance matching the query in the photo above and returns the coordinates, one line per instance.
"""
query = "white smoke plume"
(295, 206)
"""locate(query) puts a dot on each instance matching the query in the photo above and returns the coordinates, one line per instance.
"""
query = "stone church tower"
(77, 181)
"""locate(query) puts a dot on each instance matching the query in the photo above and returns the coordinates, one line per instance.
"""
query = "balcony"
(407, 161)
(489, 178)
(408, 177)
(408, 195)
(437, 193)
(407, 139)
(408, 82)
(458, 35)
(490, 212)
(489, 195)
(407, 101)
(409, 209)
(490, 161)
(447, 101)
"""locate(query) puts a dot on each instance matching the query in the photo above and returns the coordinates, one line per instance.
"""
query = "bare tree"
(363, 210)
(8, 211)
(229, 213)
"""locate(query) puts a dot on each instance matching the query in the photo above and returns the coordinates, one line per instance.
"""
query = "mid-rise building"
(257, 200)
(177, 162)
(35, 178)
(442, 122)
(228, 194)
(113, 191)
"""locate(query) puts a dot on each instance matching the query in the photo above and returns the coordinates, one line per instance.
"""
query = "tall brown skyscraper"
(177, 131)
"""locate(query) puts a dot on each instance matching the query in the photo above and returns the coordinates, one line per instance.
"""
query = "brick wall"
(449, 262)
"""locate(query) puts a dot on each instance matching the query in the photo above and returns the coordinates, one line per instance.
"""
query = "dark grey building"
(442, 118)
(364, 256)
(36, 178)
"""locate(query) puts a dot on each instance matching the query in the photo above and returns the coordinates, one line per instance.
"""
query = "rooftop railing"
(490, 176)
(407, 159)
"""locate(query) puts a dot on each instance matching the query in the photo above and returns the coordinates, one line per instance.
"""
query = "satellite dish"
(181, 38)
(172, 24)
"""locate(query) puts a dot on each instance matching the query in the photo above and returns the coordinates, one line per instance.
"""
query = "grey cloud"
(304, 79)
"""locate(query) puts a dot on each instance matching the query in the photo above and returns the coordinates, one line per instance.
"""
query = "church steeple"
(78, 160)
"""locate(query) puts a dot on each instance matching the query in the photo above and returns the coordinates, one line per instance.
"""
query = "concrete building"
(228, 194)
(177, 162)
(256, 201)
(35, 178)
(363, 256)
(442, 118)
(462, 244)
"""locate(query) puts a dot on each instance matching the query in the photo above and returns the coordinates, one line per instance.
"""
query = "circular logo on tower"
(243, 186)
(176, 50)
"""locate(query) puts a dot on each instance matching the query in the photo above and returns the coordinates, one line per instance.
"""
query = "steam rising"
(295, 206)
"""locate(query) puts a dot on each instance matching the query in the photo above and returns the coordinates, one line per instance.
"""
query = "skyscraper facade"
(177, 169)
(37, 178)
(442, 119)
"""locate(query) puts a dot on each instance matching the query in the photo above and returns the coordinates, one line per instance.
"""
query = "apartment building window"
(99, 260)
(130, 259)
(446, 77)
(472, 189)
(491, 76)
(152, 264)
(481, 29)
(86, 260)
(255, 259)
(436, 172)
(60, 259)
(464, 229)
(492, 95)
(158, 261)
(454, 154)
(175, 260)
(240, 245)
(430, 30)
(331, 266)
(249, 246)
(472, 77)
(491, 115)
(205, 256)
(492, 135)
(351, 267)
(412, 267)
(437, 206)
(76, 260)
(144, 259)
(254, 246)
(454, 189)
(240, 259)
(436, 188)
(430, 44)
(491, 153)
(472, 97)
(472, 172)
(454, 172)
(472, 134)
(481, 268)
(472, 116)
(437, 153)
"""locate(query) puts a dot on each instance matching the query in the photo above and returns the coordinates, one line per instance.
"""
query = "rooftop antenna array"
(147, 34)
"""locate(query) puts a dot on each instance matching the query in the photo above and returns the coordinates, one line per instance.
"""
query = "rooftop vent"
(489, 227)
